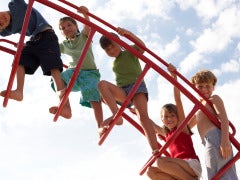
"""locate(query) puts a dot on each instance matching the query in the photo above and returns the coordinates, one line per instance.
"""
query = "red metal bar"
(138, 127)
(150, 52)
(7, 50)
(8, 41)
(143, 47)
(75, 74)
(114, 28)
(90, 14)
(227, 166)
(207, 100)
(124, 105)
(171, 139)
(150, 63)
(143, 58)
(18, 53)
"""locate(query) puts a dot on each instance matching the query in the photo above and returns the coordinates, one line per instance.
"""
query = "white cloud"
(211, 40)
(214, 39)
(238, 47)
(186, 4)
(230, 100)
(192, 61)
(220, 34)
(189, 32)
(209, 9)
(172, 47)
(231, 66)
(141, 10)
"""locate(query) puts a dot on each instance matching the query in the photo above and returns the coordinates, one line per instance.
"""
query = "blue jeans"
(142, 88)
(213, 159)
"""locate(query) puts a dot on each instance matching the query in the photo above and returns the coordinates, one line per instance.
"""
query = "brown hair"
(172, 108)
(67, 18)
(105, 42)
(204, 76)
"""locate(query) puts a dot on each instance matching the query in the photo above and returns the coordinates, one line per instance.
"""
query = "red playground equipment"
(149, 64)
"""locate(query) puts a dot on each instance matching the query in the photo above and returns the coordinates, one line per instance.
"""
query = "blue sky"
(193, 35)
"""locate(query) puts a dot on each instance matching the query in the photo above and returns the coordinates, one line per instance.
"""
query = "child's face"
(113, 50)
(169, 119)
(68, 29)
(4, 20)
(205, 88)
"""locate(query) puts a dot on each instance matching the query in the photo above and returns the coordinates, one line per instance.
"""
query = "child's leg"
(60, 88)
(154, 173)
(176, 168)
(98, 113)
(110, 93)
(17, 94)
(140, 103)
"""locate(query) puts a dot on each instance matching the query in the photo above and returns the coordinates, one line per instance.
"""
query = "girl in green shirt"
(89, 75)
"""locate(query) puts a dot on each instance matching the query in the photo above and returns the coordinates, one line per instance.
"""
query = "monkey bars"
(149, 64)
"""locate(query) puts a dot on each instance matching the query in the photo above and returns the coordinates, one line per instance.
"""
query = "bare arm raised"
(177, 98)
(84, 10)
(122, 32)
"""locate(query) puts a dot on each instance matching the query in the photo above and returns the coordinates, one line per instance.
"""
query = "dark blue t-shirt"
(17, 10)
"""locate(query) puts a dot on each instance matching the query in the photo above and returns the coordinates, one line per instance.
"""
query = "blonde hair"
(204, 76)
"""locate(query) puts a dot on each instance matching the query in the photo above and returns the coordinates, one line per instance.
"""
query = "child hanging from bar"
(42, 49)
(89, 76)
(183, 162)
(218, 149)
(127, 68)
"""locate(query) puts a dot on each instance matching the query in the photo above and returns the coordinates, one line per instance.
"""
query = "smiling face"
(4, 20)
(205, 82)
(68, 28)
(169, 116)
(205, 88)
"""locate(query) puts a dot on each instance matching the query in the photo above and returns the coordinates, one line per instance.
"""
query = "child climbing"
(42, 50)
(183, 162)
(127, 69)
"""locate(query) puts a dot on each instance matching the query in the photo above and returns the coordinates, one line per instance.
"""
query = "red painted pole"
(18, 53)
(75, 74)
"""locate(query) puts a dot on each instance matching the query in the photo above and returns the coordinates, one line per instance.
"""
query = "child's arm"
(177, 98)
(219, 108)
(158, 129)
(84, 11)
(122, 32)
(192, 122)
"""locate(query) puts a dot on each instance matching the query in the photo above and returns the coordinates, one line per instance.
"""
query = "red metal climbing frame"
(149, 64)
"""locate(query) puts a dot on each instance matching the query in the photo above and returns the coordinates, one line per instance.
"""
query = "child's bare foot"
(102, 130)
(107, 121)
(105, 125)
(15, 95)
(66, 111)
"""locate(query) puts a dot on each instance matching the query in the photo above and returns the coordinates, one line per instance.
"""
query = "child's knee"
(102, 84)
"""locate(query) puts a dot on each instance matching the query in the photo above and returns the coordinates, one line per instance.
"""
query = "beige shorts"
(195, 165)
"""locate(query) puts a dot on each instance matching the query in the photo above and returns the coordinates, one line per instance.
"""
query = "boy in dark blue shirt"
(42, 50)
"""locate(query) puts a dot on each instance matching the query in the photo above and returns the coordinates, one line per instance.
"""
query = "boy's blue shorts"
(42, 50)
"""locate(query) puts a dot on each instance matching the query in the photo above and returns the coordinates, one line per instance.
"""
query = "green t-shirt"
(127, 68)
(74, 49)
